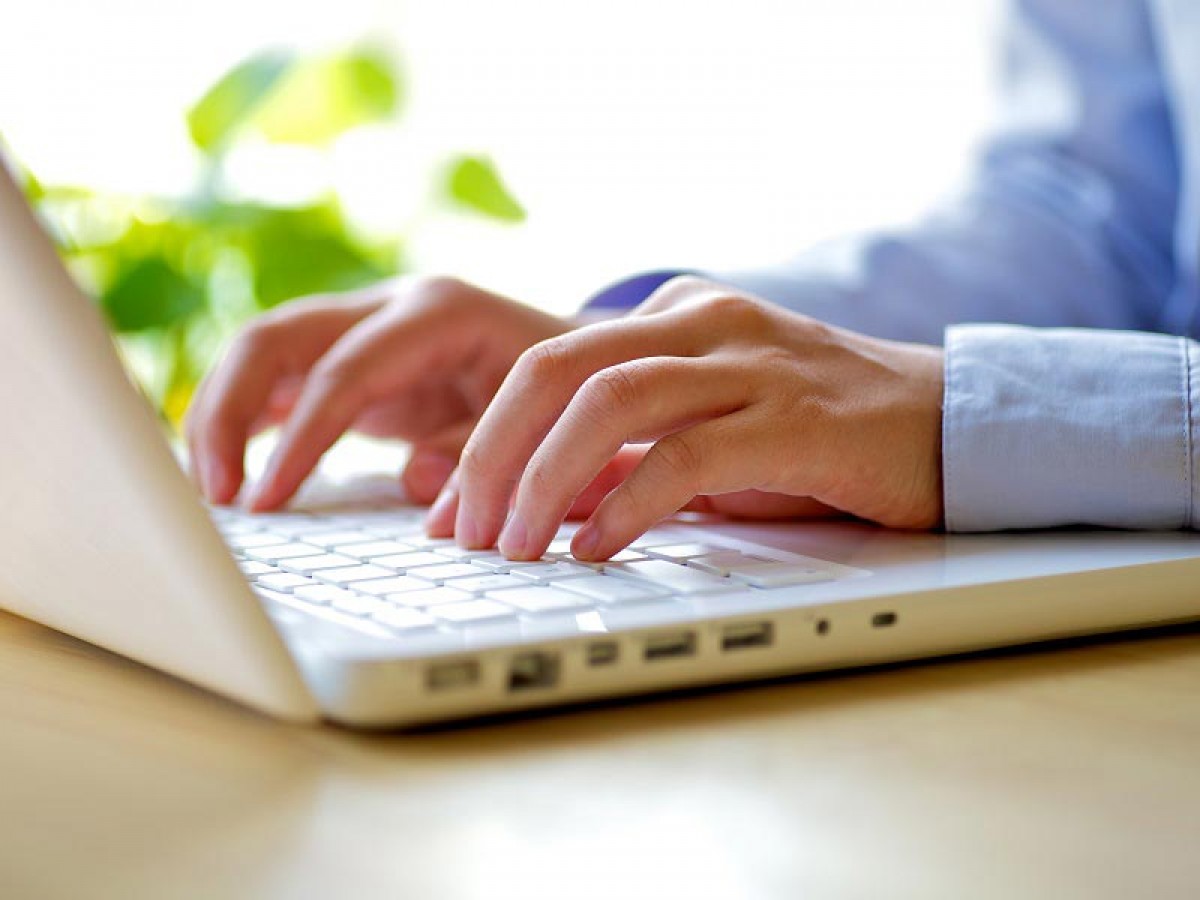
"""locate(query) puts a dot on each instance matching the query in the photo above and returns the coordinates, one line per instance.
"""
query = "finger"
(220, 421)
(432, 461)
(440, 521)
(749, 504)
(236, 395)
(375, 358)
(634, 401)
(614, 472)
(534, 395)
(708, 458)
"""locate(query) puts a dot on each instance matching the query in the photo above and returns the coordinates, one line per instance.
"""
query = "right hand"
(417, 359)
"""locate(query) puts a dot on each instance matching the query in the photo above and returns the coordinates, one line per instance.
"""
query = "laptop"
(340, 608)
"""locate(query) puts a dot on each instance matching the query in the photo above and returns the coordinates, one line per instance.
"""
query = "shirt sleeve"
(1067, 222)
(1048, 427)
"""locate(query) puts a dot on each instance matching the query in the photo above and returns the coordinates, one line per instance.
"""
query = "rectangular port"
(745, 635)
(533, 670)
(670, 646)
(602, 653)
(456, 673)
(883, 619)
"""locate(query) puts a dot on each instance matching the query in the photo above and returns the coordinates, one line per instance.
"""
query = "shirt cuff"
(1049, 427)
(629, 292)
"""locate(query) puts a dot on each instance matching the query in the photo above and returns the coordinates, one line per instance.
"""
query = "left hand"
(742, 402)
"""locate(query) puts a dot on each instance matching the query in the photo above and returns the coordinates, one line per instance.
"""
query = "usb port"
(448, 675)
(602, 653)
(883, 619)
(746, 635)
(667, 646)
(533, 670)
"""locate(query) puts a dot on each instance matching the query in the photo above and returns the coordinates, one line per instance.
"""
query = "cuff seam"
(1189, 417)
(948, 394)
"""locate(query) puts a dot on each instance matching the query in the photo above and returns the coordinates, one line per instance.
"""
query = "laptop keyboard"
(377, 567)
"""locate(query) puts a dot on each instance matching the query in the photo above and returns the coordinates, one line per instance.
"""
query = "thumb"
(432, 460)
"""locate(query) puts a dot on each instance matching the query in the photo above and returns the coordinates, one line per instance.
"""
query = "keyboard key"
(394, 585)
(772, 575)
(492, 559)
(231, 528)
(331, 539)
(358, 604)
(282, 581)
(625, 555)
(373, 549)
(402, 562)
(277, 552)
(447, 572)
(551, 571)
(606, 589)
(403, 619)
(427, 598)
(425, 542)
(352, 574)
(674, 577)
(680, 551)
(559, 547)
(724, 561)
(658, 537)
(254, 539)
(472, 611)
(269, 595)
(462, 554)
(321, 594)
(541, 599)
(254, 568)
(282, 523)
(481, 584)
(307, 564)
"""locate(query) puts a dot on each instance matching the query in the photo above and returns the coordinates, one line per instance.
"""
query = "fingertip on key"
(514, 540)
(586, 542)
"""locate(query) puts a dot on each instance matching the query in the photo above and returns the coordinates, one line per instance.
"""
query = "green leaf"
(306, 250)
(322, 99)
(371, 76)
(474, 182)
(230, 102)
(150, 293)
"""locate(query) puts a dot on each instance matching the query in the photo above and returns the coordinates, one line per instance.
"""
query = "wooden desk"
(1065, 773)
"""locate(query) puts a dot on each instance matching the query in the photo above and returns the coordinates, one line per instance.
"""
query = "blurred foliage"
(475, 183)
(175, 276)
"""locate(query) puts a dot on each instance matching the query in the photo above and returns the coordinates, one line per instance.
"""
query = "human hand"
(414, 358)
(736, 396)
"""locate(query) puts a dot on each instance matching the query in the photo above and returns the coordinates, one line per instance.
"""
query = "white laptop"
(351, 614)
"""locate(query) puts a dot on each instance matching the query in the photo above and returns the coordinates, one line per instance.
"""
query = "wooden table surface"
(1072, 772)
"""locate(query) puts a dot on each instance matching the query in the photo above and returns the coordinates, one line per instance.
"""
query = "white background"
(637, 133)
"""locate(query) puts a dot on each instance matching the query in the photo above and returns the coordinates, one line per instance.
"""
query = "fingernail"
(466, 532)
(587, 539)
(514, 540)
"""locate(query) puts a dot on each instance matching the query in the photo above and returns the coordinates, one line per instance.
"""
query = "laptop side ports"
(746, 635)
(532, 670)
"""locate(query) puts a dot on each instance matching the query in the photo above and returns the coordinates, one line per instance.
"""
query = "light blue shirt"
(1081, 230)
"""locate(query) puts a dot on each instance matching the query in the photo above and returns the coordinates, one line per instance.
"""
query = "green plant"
(176, 275)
